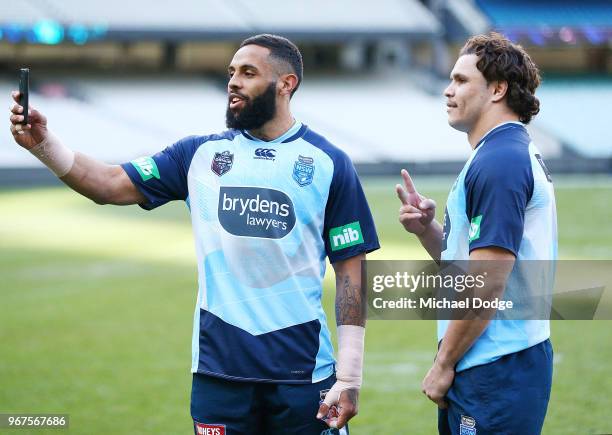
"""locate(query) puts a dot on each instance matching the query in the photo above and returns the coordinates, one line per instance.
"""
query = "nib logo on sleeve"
(345, 236)
(474, 232)
(146, 167)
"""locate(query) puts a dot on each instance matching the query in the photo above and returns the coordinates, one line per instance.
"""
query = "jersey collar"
(296, 131)
(498, 127)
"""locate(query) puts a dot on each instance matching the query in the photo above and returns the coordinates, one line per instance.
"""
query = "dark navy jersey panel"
(169, 183)
(346, 203)
(286, 355)
(498, 185)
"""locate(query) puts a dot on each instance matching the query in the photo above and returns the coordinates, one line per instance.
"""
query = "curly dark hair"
(502, 60)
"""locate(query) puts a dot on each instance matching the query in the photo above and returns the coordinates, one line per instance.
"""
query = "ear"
(287, 83)
(499, 89)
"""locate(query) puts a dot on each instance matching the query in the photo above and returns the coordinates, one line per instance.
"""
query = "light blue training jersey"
(503, 198)
(265, 215)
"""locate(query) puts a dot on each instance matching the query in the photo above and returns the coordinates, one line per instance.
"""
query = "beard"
(255, 113)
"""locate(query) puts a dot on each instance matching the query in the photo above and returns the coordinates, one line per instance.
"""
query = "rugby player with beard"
(269, 199)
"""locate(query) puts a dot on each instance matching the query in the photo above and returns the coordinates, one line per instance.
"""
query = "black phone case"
(24, 92)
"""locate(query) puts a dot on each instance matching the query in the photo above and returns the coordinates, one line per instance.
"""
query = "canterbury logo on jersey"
(146, 167)
(265, 153)
(255, 212)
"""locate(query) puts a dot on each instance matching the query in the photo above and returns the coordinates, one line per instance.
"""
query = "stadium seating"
(383, 116)
(577, 111)
(373, 118)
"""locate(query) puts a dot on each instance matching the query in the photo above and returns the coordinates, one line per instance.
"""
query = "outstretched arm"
(102, 183)
(350, 320)
(98, 181)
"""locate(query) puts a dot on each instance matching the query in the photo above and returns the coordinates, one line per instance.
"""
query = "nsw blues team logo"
(467, 425)
(303, 170)
(222, 162)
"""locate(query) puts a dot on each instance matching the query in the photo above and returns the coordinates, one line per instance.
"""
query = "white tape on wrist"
(349, 367)
(54, 155)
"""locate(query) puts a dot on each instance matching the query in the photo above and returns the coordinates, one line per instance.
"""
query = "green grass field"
(96, 307)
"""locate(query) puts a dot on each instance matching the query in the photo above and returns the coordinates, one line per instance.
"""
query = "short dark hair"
(281, 49)
(502, 60)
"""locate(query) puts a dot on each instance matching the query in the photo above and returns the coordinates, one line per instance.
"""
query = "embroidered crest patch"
(222, 162)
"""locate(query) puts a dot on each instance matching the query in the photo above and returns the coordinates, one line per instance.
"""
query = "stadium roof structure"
(180, 20)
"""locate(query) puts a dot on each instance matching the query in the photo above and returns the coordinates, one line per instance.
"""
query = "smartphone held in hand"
(24, 91)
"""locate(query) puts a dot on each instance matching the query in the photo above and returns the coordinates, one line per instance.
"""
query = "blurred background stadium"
(96, 302)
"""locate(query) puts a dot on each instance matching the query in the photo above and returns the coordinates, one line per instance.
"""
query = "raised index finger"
(15, 95)
(402, 195)
(408, 182)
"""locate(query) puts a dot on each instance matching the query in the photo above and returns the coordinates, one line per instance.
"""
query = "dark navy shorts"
(508, 396)
(223, 407)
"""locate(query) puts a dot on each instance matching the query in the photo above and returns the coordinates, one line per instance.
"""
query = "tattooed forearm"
(350, 301)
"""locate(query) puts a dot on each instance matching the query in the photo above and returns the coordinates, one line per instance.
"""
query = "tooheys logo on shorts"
(210, 429)
(345, 236)
(255, 212)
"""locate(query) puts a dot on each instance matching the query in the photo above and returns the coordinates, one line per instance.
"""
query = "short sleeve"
(163, 177)
(498, 186)
(349, 228)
